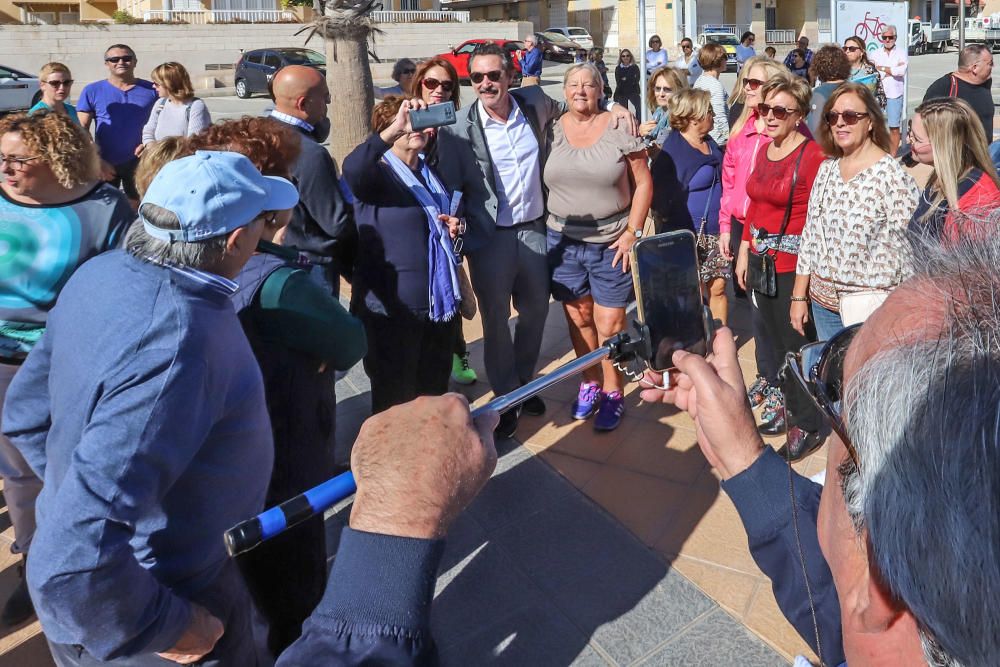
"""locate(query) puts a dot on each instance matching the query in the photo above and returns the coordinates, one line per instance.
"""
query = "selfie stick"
(248, 534)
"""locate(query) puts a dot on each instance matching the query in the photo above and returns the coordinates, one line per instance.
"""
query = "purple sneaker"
(587, 400)
(611, 412)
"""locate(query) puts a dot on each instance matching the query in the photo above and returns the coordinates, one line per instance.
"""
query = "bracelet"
(799, 298)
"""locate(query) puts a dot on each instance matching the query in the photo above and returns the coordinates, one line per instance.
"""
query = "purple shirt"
(120, 115)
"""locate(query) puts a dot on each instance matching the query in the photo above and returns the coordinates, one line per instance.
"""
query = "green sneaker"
(461, 372)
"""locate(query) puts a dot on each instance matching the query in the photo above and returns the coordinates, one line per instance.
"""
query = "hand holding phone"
(436, 115)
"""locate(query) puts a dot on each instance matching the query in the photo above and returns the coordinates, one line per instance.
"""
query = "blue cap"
(212, 193)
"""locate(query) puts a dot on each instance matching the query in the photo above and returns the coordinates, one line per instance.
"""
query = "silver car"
(18, 90)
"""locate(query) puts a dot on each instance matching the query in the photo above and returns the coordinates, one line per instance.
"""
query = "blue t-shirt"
(70, 110)
(120, 114)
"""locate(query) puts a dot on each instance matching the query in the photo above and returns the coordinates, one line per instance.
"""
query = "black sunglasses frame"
(780, 113)
(851, 118)
(116, 59)
(493, 75)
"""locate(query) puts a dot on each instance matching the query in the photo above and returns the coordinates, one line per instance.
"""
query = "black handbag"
(761, 276)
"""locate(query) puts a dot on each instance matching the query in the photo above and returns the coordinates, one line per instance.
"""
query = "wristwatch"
(636, 232)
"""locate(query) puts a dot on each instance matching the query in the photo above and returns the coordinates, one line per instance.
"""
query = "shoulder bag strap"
(953, 88)
(791, 195)
(708, 204)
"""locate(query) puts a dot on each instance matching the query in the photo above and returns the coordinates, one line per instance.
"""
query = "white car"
(18, 90)
(578, 35)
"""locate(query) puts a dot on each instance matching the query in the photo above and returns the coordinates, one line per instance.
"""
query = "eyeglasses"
(780, 113)
(17, 163)
(819, 370)
(888, 38)
(409, 71)
(57, 83)
(686, 47)
(913, 139)
(626, 55)
(493, 75)
(850, 117)
(663, 89)
(753, 84)
(116, 59)
(851, 49)
(433, 84)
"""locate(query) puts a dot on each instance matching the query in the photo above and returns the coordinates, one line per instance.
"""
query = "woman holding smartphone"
(778, 190)
(436, 82)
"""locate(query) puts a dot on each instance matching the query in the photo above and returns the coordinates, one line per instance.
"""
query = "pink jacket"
(737, 164)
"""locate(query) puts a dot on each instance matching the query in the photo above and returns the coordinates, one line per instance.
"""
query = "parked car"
(18, 90)
(459, 56)
(556, 46)
(255, 68)
(577, 34)
(727, 40)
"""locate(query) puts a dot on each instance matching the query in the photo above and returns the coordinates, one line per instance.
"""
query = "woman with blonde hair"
(177, 113)
(599, 194)
(55, 81)
(56, 214)
(946, 134)
(662, 84)
(851, 254)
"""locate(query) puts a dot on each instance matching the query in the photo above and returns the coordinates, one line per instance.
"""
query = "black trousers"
(782, 339)
(459, 347)
(408, 356)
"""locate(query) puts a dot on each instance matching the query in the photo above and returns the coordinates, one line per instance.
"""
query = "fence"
(421, 17)
(731, 28)
(221, 16)
(780, 36)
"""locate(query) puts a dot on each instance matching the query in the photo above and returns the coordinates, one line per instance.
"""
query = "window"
(409, 5)
(255, 57)
(467, 48)
(272, 60)
(304, 57)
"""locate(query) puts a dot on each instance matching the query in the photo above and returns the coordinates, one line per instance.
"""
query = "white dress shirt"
(897, 61)
(656, 60)
(516, 167)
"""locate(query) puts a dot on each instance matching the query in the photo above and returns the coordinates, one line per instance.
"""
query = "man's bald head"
(302, 92)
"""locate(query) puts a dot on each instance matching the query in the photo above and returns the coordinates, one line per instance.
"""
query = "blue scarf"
(662, 118)
(442, 280)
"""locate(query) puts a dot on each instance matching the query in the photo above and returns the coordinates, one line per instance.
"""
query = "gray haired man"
(899, 551)
(142, 410)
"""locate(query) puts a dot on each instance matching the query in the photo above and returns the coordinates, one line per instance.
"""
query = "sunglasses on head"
(432, 84)
(819, 370)
(852, 49)
(56, 83)
(492, 75)
(780, 113)
(753, 84)
(116, 59)
(850, 117)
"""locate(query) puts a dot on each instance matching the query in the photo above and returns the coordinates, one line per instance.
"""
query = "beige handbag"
(468, 305)
(856, 307)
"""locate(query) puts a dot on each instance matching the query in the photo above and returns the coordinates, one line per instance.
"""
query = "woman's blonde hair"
(52, 68)
(675, 80)
(772, 68)
(688, 106)
(587, 66)
(174, 78)
(795, 86)
(879, 129)
(62, 144)
(154, 156)
(959, 143)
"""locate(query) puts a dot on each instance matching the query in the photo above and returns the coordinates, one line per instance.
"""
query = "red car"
(459, 56)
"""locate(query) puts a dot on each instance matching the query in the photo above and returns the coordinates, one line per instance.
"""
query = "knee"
(580, 313)
(717, 287)
(609, 321)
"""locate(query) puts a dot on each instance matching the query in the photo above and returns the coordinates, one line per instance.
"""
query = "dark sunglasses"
(888, 38)
(850, 117)
(780, 113)
(411, 70)
(432, 84)
(819, 370)
(493, 75)
(117, 59)
(753, 84)
(852, 49)
(60, 84)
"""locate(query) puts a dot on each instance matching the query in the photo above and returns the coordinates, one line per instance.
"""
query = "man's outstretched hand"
(712, 391)
(418, 465)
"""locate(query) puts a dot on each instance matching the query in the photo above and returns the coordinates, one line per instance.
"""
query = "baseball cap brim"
(281, 194)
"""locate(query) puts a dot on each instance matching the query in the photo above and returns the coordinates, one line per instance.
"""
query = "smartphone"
(669, 298)
(435, 115)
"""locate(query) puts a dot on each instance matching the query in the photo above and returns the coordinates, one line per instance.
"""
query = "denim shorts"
(894, 111)
(578, 269)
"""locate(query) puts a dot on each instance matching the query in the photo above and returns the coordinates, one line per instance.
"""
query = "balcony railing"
(221, 15)
(780, 36)
(421, 17)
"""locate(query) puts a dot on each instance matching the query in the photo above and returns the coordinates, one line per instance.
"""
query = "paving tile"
(32, 651)
(717, 639)
(566, 435)
(602, 578)
(642, 503)
(731, 589)
(660, 450)
(521, 486)
(765, 619)
(577, 471)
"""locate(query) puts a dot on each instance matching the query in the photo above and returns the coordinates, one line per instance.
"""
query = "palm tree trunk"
(351, 98)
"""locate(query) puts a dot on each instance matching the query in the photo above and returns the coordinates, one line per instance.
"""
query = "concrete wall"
(80, 47)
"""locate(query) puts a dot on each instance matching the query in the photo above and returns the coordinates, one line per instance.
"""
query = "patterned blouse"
(853, 238)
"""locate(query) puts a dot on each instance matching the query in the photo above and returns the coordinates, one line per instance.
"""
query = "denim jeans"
(827, 322)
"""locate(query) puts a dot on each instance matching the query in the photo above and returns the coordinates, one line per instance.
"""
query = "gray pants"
(513, 265)
(20, 485)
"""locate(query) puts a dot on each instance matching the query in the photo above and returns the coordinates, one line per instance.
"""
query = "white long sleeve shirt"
(516, 167)
(897, 60)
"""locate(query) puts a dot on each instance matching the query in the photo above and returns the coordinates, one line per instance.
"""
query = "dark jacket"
(626, 80)
(322, 226)
(679, 197)
(761, 496)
